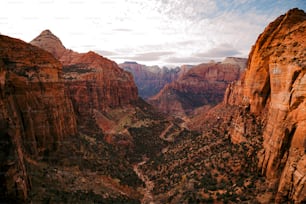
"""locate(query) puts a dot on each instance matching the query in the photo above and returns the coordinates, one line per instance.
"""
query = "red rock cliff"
(202, 85)
(274, 88)
(94, 82)
(35, 112)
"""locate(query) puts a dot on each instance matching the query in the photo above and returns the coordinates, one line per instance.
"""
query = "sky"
(151, 32)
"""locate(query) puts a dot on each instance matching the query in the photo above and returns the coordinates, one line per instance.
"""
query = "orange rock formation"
(274, 89)
(35, 111)
(93, 82)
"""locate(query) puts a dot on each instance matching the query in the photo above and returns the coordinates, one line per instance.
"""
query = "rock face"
(150, 80)
(51, 43)
(202, 85)
(274, 89)
(71, 127)
(94, 83)
(35, 111)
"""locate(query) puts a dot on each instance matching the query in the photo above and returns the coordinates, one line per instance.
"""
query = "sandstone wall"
(36, 113)
(274, 88)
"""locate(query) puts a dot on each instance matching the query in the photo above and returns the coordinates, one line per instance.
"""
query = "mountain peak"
(49, 42)
(295, 11)
(46, 32)
(292, 17)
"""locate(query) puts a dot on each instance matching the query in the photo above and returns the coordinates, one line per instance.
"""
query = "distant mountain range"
(202, 85)
(151, 79)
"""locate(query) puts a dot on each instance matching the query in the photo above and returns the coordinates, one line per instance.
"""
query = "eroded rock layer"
(90, 75)
(274, 89)
(202, 85)
(94, 83)
(36, 113)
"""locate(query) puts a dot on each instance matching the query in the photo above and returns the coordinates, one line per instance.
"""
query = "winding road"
(163, 134)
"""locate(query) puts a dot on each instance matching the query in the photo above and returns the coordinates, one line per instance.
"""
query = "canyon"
(201, 86)
(151, 79)
(73, 128)
(251, 146)
(72, 125)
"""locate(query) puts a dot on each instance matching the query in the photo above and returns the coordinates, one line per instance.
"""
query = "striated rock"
(93, 82)
(150, 79)
(274, 89)
(96, 83)
(51, 43)
(116, 86)
(35, 112)
(202, 85)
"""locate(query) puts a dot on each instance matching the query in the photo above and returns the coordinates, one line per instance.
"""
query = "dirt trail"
(149, 185)
(163, 134)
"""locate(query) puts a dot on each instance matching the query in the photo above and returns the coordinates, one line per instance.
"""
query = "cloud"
(217, 53)
(151, 56)
(184, 60)
(122, 30)
(186, 42)
(191, 9)
(223, 50)
(106, 53)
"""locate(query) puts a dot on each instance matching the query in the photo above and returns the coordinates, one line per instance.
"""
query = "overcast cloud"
(152, 32)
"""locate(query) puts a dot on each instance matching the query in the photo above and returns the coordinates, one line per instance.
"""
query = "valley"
(79, 128)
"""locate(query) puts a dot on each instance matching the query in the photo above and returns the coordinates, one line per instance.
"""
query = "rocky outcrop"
(94, 83)
(35, 111)
(273, 89)
(202, 85)
(150, 79)
(51, 43)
